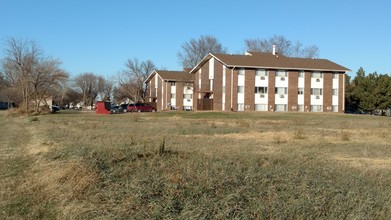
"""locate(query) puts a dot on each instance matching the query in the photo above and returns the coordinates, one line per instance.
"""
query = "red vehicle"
(140, 107)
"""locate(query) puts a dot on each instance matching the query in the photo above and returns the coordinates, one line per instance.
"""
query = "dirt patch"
(365, 163)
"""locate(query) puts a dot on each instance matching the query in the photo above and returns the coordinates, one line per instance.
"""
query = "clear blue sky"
(100, 35)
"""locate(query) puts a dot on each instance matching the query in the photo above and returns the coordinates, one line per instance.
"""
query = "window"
(173, 83)
(301, 74)
(316, 108)
(240, 107)
(280, 108)
(261, 90)
(281, 90)
(241, 71)
(300, 91)
(316, 91)
(260, 107)
(317, 75)
(240, 89)
(281, 73)
(335, 75)
(173, 95)
(261, 72)
(335, 92)
(300, 108)
(335, 108)
(187, 96)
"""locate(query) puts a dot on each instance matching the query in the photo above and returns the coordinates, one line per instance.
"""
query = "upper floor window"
(316, 91)
(241, 71)
(261, 90)
(301, 74)
(240, 89)
(300, 91)
(261, 72)
(173, 83)
(335, 92)
(281, 90)
(317, 75)
(281, 73)
(335, 75)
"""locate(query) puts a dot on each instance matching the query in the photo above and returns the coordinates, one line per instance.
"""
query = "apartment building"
(259, 81)
(170, 90)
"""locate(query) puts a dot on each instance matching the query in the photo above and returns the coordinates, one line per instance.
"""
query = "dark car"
(55, 108)
(115, 109)
(123, 107)
(141, 107)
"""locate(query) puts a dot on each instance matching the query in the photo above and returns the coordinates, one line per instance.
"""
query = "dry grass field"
(195, 165)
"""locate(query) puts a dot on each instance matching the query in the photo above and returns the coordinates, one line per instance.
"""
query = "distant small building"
(170, 90)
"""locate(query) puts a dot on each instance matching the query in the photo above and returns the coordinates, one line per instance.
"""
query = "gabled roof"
(168, 75)
(270, 61)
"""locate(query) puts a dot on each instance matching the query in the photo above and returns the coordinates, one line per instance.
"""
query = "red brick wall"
(235, 90)
(341, 92)
(159, 94)
(327, 91)
(228, 73)
(249, 96)
(293, 77)
(205, 85)
(307, 91)
(217, 85)
(195, 90)
(179, 96)
(271, 89)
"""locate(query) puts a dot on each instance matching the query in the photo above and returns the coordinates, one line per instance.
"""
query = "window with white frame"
(317, 75)
(335, 108)
(173, 83)
(280, 108)
(261, 72)
(335, 75)
(260, 107)
(173, 95)
(300, 91)
(301, 74)
(187, 96)
(316, 108)
(316, 91)
(240, 106)
(240, 89)
(300, 108)
(281, 73)
(335, 92)
(241, 71)
(281, 90)
(261, 90)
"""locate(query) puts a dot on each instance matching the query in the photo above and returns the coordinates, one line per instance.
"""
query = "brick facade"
(249, 96)
(307, 91)
(217, 86)
(327, 92)
(293, 77)
(341, 93)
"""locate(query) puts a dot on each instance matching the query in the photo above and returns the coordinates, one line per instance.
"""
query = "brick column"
(327, 91)
(249, 85)
(179, 96)
(293, 78)
(217, 86)
(341, 92)
(307, 91)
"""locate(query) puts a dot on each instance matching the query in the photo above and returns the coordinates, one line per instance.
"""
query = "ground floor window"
(280, 108)
(240, 106)
(187, 108)
(316, 108)
(260, 107)
(335, 108)
(300, 108)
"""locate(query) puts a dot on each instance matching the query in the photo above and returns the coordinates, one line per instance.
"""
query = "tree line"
(367, 92)
(29, 78)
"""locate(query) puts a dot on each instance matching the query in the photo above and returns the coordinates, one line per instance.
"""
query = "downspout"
(232, 85)
(165, 104)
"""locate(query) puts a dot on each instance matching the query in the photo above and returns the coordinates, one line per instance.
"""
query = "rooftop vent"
(274, 49)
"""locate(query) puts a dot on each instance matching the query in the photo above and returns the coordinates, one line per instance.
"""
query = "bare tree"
(90, 86)
(284, 47)
(195, 50)
(28, 72)
(132, 78)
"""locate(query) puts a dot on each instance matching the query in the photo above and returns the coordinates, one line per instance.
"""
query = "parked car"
(124, 107)
(55, 108)
(141, 107)
(115, 109)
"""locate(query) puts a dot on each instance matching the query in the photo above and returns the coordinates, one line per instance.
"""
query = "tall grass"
(194, 165)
